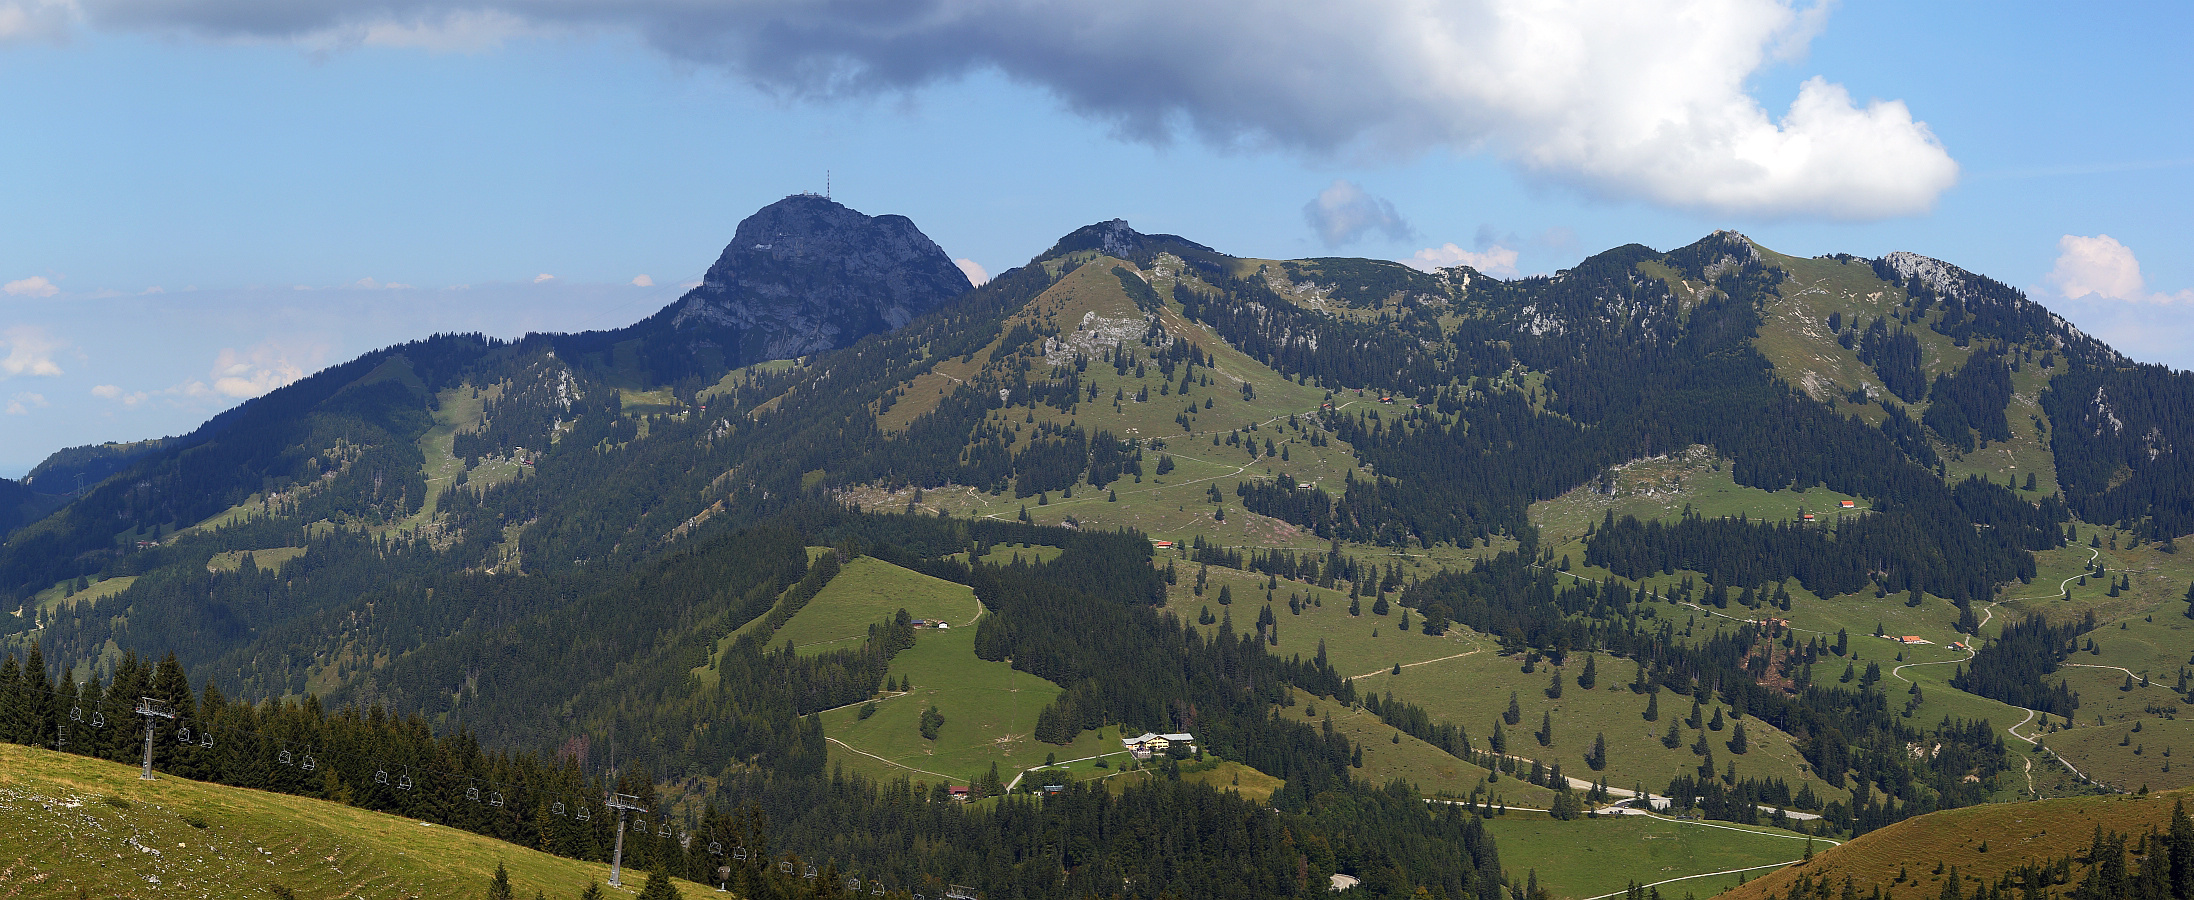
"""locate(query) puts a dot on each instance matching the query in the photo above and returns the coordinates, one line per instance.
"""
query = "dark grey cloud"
(1343, 214)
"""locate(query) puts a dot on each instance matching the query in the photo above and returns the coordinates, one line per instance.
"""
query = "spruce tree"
(659, 887)
(1590, 676)
(499, 886)
(2181, 837)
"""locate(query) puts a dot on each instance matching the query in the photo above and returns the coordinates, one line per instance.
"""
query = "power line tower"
(153, 710)
(621, 803)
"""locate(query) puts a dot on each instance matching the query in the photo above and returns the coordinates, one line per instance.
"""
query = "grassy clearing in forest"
(989, 709)
(868, 591)
(1594, 856)
(2155, 757)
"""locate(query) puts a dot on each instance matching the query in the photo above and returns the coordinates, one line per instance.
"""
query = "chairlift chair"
(286, 758)
(404, 783)
(472, 794)
(810, 872)
(495, 799)
(583, 815)
(309, 763)
(558, 808)
(76, 714)
(205, 740)
(380, 776)
(98, 719)
(662, 828)
(182, 735)
(715, 848)
(740, 853)
(878, 890)
(785, 867)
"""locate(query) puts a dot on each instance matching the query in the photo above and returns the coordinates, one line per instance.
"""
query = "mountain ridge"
(543, 539)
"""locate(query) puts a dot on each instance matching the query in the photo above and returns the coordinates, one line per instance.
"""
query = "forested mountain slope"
(540, 541)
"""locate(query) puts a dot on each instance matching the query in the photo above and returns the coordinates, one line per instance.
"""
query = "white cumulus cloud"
(1344, 213)
(30, 351)
(2103, 267)
(642, 281)
(543, 277)
(976, 274)
(34, 286)
(1648, 100)
(2102, 289)
(1496, 260)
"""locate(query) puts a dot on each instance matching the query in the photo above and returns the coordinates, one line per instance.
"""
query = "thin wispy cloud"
(34, 286)
(29, 351)
(22, 403)
(1646, 100)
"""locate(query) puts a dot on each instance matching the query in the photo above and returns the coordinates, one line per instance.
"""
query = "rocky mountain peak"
(807, 274)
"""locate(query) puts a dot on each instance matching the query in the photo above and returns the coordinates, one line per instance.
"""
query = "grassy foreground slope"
(76, 826)
(1982, 842)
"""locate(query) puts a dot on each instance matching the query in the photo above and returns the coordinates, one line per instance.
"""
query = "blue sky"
(207, 198)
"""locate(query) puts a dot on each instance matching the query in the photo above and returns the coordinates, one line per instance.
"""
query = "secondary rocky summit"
(806, 274)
